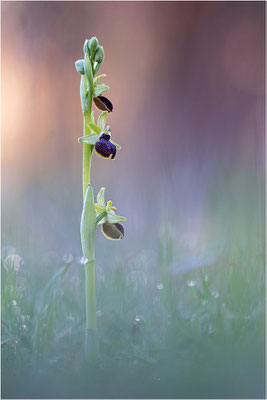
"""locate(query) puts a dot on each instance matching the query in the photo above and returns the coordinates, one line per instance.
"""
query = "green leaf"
(89, 139)
(94, 128)
(98, 89)
(115, 144)
(97, 78)
(101, 122)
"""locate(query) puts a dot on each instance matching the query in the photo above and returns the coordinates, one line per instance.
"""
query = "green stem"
(87, 154)
(88, 223)
(90, 295)
(89, 267)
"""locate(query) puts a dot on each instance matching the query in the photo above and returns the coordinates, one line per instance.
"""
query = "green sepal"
(101, 122)
(100, 217)
(83, 93)
(101, 197)
(94, 127)
(98, 64)
(88, 223)
(98, 89)
(112, 218)
(115, 144)
(89, 139)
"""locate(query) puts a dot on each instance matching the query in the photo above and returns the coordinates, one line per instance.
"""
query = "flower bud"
(92, 45)
(113, 231)
(79, 65)
(99, 54)
(86, 49)
(103, 104)
(104, 147)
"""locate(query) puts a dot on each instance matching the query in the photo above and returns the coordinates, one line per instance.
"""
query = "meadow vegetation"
(163, 331)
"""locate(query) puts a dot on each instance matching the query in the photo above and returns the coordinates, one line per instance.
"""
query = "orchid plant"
(96, 138)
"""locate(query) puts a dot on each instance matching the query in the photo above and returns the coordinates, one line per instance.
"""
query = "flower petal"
(115, 144)
(101, 122)
(109, 205)
(97, 78)
(98, 89)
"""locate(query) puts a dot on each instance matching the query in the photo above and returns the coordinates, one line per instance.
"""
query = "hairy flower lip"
(105, 148)
(103, 103)
(113, 231)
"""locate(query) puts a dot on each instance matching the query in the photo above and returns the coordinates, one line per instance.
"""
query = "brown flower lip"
(113, 231)
(104, 147)
(103, 104)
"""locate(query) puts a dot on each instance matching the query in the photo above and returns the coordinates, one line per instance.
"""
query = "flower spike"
(96, 135)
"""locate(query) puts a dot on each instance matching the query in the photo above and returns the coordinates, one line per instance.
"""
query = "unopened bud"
(92, 44)
(79, 65)
(99, 54)
(86, 49)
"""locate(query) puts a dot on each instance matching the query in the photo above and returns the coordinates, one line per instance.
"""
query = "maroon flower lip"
(103, 104)
(104, 147)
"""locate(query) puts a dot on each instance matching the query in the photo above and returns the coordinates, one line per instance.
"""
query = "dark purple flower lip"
(103, 104)
(104, 147)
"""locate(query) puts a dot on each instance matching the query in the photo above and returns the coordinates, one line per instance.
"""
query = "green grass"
(201, 335)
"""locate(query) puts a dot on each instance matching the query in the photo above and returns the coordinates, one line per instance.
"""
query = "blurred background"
(187, 85)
